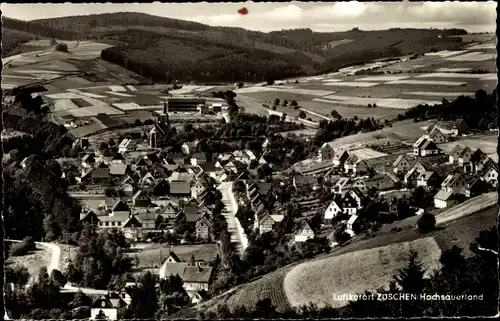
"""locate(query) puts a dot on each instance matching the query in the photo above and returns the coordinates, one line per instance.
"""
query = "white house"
(126, 145)
(112, 306)
(351, 225)
(304, 232)
(326, 152)
(401, 165)
(332, 211)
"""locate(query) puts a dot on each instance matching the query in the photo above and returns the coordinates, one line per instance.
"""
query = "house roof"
(209, 166)
(199, 156)
(457, 150)
(118, 169)
(189, 274)
(181, 176)
(342, 153)
(450, 179)
(420, 141)
(399, 159)
(88, 158)
(352, 160)
(146, 216)
(443, 195)
(352, 219)
(120, 205)
(435, 132)
(132, 222)
(111, 301)
(464, 151)
(118, 156)
(114, 218)
(429, 145)
(477, 156)
(425, 175)
(304, 225)
(180, 188)
(304, 180)
(343, 181)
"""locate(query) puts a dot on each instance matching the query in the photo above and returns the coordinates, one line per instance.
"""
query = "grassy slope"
(460, 232)
(12, 38)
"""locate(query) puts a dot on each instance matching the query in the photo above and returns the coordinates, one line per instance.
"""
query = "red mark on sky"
(243, 11)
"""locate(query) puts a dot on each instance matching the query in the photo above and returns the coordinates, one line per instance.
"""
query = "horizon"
(474, 17)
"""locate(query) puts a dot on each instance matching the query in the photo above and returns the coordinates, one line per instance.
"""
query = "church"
(158, 135)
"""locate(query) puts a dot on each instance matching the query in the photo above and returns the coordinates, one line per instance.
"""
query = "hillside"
(12, 39)
(185, 50)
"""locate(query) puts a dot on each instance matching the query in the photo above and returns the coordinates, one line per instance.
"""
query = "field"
(153, 255)
(319, 281)
(367, 153)
(470, 206)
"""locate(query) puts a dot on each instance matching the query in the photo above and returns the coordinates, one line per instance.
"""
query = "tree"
(294, 103)
(58, 278)
(285, 102)
(137, 122)
(426, 223)
(144, 300)
(101, 316)
(270, 82)
(302, 114)
(53, 42)
(62, 47)
(276, 101)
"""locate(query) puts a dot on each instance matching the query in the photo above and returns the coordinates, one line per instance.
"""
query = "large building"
(184, 104)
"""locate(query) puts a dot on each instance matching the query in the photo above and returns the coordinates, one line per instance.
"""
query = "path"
(315, 114)
(231, 207)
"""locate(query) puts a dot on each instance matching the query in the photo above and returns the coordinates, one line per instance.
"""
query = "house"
(110, 306)
(352, 225)
(380, 182)
(332, 211)
(161, 188)
(118, 159)
(169, 210)
(401, 165)
(478, 159)
(203, 228)
(445, 198)
(89, 217)
(358, 196)
(436, 136)
(194, 278)
(475, 187)
(455, 153)
(464, 156)
(147, 179)
(266, 144)
(198, 159)
(118, 170)
(88, 161)
(326, 152)
(189, 147)
(491, 173)
(348, 205)
(132, 228)
(147, 220)
(340, 157)
(342, 185)
(455, 183)
(355, 165)
(111, 221)
(140, 199)
(304, 232)
(197, 188)
(120, 208)
(267, 222)
(81, 142)
(97, 175)
(428, 148)
(428, 179)
(459, 128)
(126, 145)
(416, 146)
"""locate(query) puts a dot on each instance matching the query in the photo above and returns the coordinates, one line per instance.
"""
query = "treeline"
(473, 275)
(38, 29)
(187, 59)
(478, 112)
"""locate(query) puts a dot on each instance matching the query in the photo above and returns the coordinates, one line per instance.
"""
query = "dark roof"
(209, 166)
(199, 156)
(118, 156)
(132, 222)
(120, 205)
(111, 301)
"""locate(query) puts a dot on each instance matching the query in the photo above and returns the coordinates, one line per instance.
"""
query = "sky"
(269, 16)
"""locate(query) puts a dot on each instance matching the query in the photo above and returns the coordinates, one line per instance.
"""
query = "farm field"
(470, 206)
(153, 255)
(350, 111)
(318, 281)
(367, 153)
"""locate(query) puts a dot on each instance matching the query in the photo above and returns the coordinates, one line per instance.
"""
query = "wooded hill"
(166, 49)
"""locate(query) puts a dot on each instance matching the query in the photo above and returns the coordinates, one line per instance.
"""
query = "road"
(231, 207)
(55, 265)
(315, 114)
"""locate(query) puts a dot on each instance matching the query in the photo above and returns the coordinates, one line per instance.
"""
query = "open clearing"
(94, 111)
(118, 94)
(367, 153)
(319, 281)
(440, 93)
(383, 78)
(153, 255)
(351, 84)
(457, 69)
(426, 82)
(397, 103)
(456, 75)
(300, 91)
(472, 56)
(445, 53)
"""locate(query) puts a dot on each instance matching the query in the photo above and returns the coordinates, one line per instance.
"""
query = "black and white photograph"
(249, 160)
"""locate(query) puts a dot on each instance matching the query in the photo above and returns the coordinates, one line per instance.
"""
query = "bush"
(426, 223)
(302, 114)
(62, 47)
(58, 278)
(23, 247)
